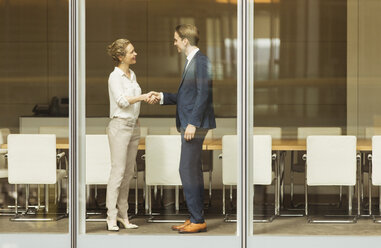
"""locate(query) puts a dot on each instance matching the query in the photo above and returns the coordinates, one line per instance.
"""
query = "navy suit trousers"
(191, 174)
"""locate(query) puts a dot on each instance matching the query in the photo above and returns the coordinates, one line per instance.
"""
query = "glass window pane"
(315, 74)
(158, 65)
(34, 117)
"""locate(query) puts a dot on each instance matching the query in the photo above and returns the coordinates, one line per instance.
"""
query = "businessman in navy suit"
(194, 117)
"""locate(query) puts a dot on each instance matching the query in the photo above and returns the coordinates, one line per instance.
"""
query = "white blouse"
(120, 86)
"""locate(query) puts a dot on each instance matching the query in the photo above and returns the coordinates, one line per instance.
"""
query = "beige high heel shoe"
(112, 226)
(124, 223)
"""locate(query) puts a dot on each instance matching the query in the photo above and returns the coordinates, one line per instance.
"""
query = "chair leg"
(282, 184)
(95, 194)
(149, 200)
(210, 188)
(27, 187)
(223, 200)
(60, 190)
(306, 198)
(275, 198)
(46, 198)
(177, 201)
(340, 196)
(146, 203)
(292, 187)
(370, 188)
(38, 197)
(136, 194)
(55, 192)
(144, 184)
(350, 189)
(379, 200)
(161, 193)
(231, 195)
(16, 200)
(155, 192)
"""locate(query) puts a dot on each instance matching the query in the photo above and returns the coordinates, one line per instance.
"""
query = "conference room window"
(159, 67)
(34, 108)
(316, 72)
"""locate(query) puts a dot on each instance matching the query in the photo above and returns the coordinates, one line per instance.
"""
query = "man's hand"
(154, 97)
(189, 132)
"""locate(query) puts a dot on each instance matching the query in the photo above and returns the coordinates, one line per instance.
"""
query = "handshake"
(152, 97)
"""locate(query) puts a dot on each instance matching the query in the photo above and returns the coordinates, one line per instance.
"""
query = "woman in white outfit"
(123, 132)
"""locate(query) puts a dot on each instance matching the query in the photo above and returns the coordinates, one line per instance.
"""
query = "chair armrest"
(370, 157)
(60, 155)
(273, 156)
(358, 156)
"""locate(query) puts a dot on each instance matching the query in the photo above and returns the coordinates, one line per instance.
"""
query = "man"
(194, 117)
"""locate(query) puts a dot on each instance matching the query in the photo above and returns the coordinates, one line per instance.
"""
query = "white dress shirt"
(189, 58)
(120, 87)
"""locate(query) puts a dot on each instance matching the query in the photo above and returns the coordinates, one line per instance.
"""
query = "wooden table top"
(216, 144)
(290, 144)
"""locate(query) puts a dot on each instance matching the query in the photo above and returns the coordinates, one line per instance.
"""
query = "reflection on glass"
(34, 116)
(316, 73)
(160, 68)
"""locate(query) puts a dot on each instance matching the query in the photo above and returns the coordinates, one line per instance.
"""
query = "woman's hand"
(145, 97)
(153, 97)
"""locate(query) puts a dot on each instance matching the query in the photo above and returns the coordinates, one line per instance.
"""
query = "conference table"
(216, 144)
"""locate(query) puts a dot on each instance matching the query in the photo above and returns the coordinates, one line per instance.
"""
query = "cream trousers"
(123, 136)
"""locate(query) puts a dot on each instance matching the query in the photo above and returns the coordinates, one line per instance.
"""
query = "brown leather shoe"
(178, 227)
(194, 228)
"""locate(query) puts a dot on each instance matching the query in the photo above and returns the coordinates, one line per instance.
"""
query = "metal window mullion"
(72, 121)
(243, 124)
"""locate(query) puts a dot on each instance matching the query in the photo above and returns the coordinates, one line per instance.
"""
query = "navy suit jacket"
(194, 98)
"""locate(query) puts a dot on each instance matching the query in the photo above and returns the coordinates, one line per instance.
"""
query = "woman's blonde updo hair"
(118, 49)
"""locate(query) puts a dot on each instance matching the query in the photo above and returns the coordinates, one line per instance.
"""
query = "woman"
(123, 132)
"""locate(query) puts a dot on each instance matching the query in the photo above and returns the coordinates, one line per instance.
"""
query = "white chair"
(375, 172)
(331, 161)
(32, 159)
(59, 131)
(162, 165)
(262, 166)
(98, 164)
(297, 163)
(275, 133)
